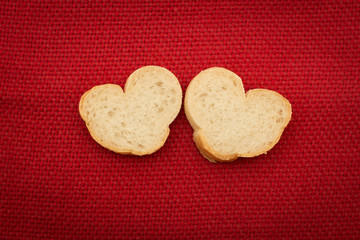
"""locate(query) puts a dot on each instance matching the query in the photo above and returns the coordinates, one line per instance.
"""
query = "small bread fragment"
(134, 121)
(229, 123)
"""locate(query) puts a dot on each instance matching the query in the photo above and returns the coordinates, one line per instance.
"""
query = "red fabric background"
(58, 183)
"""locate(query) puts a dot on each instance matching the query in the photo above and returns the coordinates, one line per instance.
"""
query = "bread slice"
(227, 122)
(134, 121)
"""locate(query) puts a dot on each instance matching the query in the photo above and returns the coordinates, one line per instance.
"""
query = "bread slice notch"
(134, 121)
(229, 123)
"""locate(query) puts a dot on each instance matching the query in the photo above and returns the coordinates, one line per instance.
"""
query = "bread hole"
(159, 84)
(129, 142)
(160, 109)
(123, 124)
(280, 112)
(270, 143)
(110, 113)
(165, 102)
(223, 88)
(212, 105)
(172, 100)
(117, 134)
(114, 109)
(203, 95)
(173, 90)
(279, 120)
(94, 115)
(105, 107)
(140, 146)
(87, 113)
(234, 82)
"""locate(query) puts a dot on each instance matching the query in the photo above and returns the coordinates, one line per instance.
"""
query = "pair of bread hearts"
(228, 123)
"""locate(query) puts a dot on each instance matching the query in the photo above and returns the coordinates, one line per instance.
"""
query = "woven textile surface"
(58, 183)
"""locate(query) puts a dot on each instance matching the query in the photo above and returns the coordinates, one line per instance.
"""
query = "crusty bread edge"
(214, 156)
(209, 153)
(121, 150)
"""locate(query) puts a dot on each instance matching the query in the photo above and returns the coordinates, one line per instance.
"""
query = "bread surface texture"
(134, 120)
(229, 123)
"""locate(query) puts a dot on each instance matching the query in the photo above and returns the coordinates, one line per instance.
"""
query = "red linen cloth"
(58, 183)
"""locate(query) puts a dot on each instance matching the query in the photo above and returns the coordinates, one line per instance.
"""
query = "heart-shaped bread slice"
(229, 123)
(134, 121)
